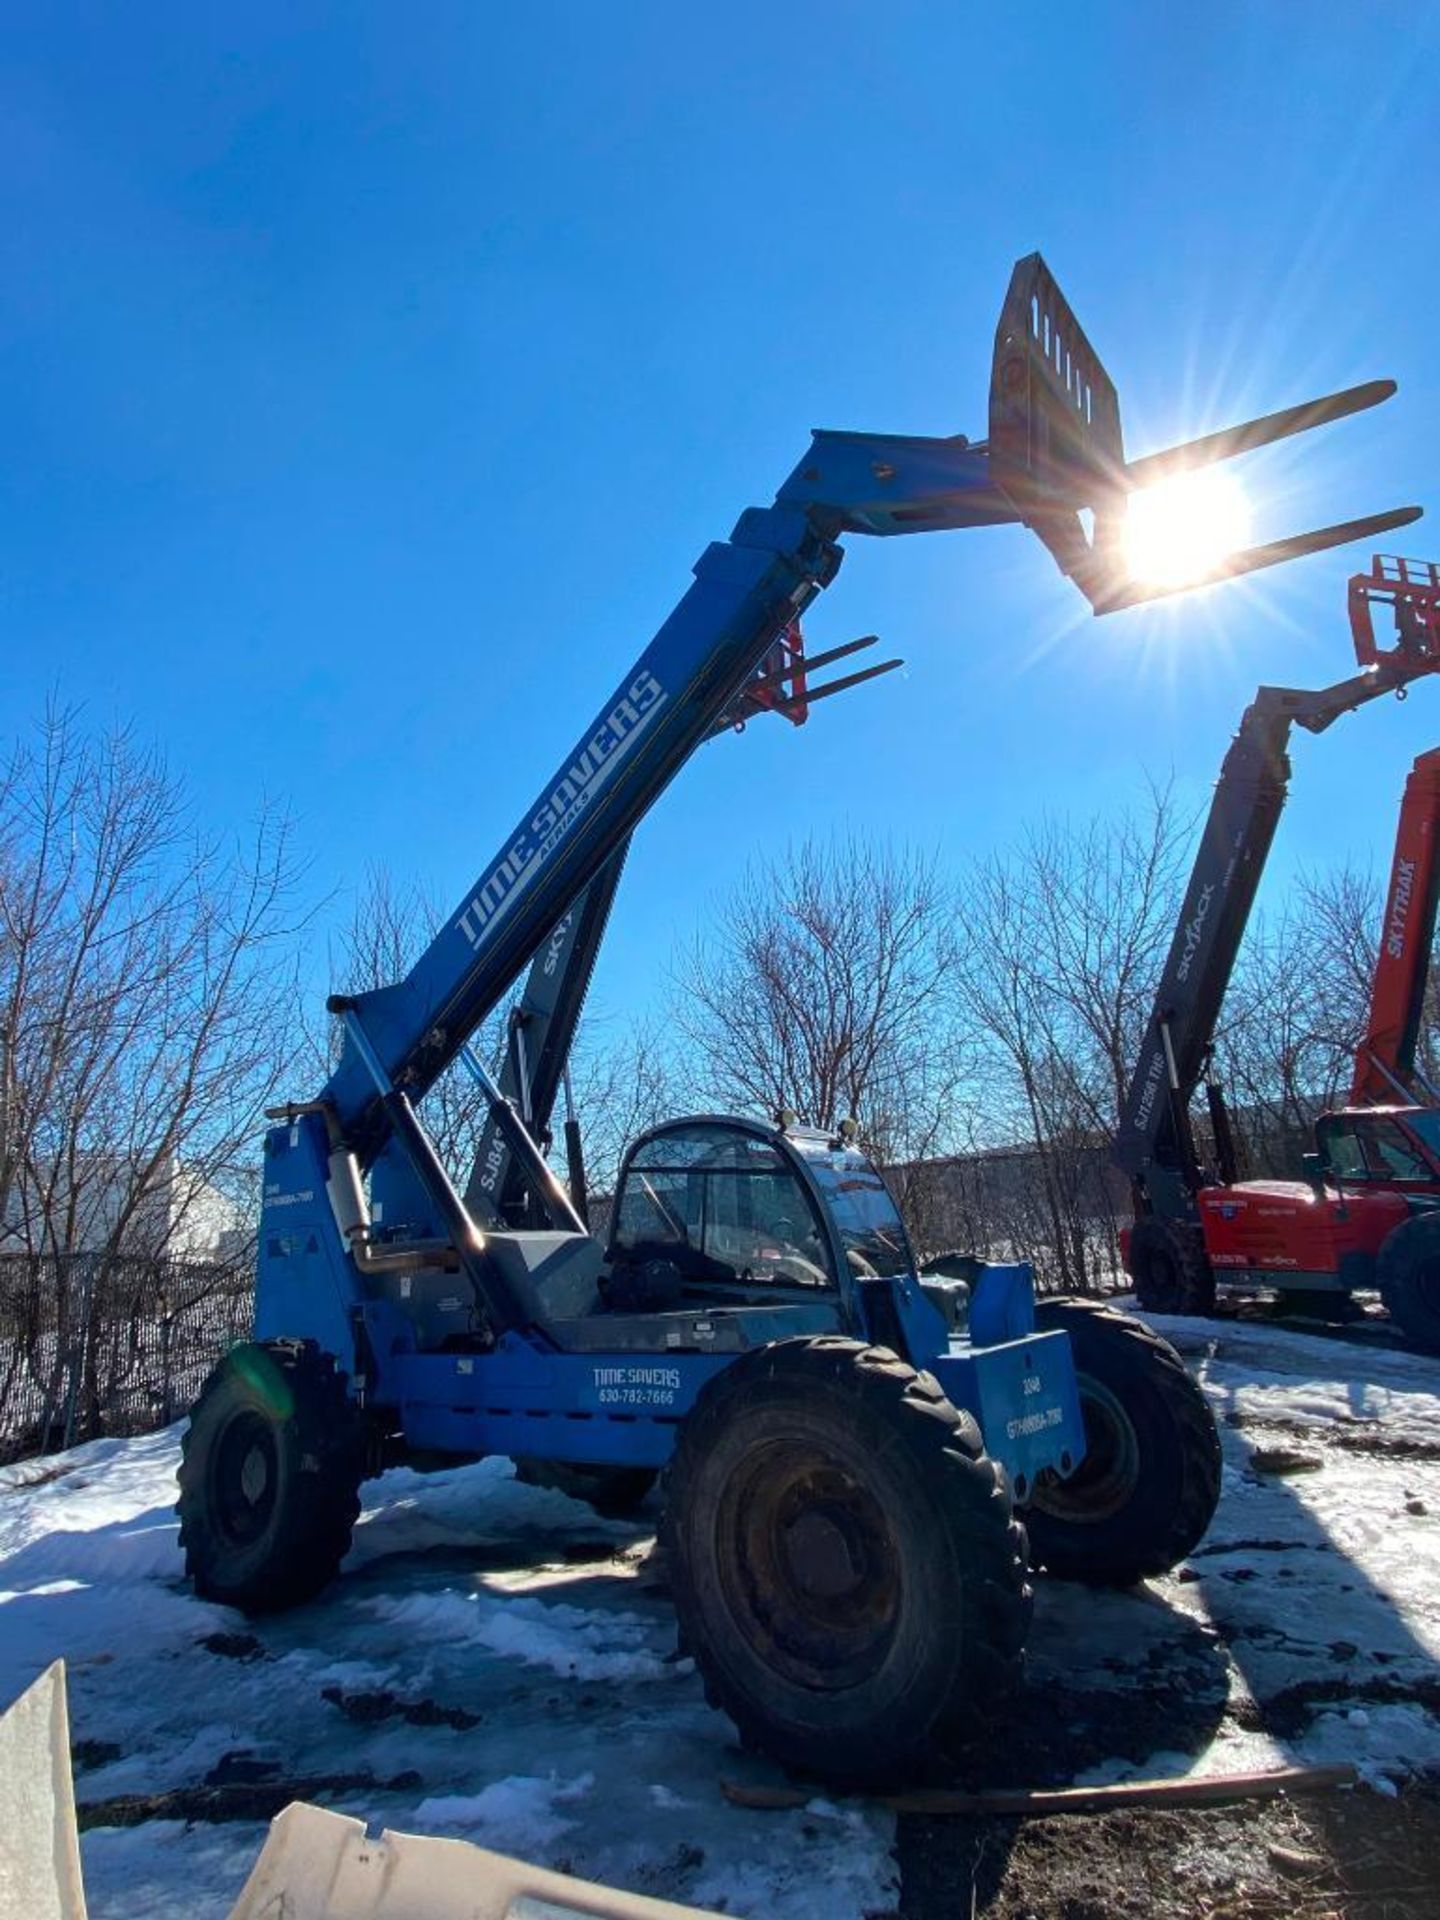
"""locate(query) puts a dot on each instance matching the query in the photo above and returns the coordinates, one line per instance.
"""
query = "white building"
(95, 1206)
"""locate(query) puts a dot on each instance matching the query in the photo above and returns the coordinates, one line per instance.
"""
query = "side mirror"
(1313, 1167)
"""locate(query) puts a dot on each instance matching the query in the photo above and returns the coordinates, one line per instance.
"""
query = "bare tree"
(1035, 1090)
(822, 987)
(1297, 1011)
(1345, 905)
(1067, 932)
(1106, 894)
(625, 1079)
(147, 1015)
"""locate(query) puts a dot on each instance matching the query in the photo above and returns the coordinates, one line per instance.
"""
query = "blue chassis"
(624, 1410)
(527, 1396)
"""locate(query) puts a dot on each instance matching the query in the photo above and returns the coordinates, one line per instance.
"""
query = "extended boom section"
(1385, 1058)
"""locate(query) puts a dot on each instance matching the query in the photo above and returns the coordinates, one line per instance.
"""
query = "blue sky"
(372, 376)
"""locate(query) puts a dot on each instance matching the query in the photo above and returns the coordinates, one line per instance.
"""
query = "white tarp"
(321, 1866)
(39, 1849)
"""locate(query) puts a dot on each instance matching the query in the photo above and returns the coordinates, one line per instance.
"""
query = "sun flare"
(1180, 530)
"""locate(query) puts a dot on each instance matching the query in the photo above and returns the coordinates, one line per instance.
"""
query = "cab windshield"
(724, 1207)
(1375, 1147)
(859, 1203)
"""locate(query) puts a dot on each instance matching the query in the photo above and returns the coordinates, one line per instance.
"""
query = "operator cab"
(719, 1209)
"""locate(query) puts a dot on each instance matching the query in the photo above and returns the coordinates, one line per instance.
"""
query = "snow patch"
(516, 1815)
(470, 1505)
(581, 1644)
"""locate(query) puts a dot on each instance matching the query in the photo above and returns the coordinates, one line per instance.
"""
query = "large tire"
(1408, 1275)
(1147, 1489)
(614, 1492)
(1169, 1267)
(269, 1477)
(845, 1561)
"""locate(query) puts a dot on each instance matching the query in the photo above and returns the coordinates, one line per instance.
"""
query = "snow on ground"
(498, 1663)
(493, 1660)
(1311, 1612)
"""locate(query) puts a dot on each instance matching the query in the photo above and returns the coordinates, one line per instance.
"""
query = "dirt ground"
(1350, 1855)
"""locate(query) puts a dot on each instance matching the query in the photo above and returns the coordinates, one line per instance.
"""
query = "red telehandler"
(1368, 1212)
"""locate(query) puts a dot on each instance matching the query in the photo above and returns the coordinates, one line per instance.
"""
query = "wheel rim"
(244, 1478)
(1107, 1476)
(808, 1566)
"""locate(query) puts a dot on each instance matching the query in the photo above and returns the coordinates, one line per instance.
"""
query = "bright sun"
(1179, 530)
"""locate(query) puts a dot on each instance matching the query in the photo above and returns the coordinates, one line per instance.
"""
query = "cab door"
(1373, 1162)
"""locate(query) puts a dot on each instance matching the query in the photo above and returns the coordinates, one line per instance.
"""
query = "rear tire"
(1147, 1489)
(270, 1472)
(1169, 1267)
(846, 1566)
(614, 1492)
(1408, 1275)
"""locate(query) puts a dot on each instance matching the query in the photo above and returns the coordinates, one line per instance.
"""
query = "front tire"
(847, 1570)
(1168, 1265)
(270, 1472)
(1148, 1487)
(1408, 1275)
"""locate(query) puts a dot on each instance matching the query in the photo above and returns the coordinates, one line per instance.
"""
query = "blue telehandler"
(846, 1447)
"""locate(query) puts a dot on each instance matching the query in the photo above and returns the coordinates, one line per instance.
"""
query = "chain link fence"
(99, 1344)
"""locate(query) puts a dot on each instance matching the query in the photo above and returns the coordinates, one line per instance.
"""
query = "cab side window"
(1391, 1155)
(659, 1209)
(1344, 1154)
(762, 1225)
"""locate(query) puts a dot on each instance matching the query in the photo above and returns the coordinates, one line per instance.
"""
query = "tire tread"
(1196, 1437)
(316, 1531)
(1400, 1276)
(972, 1495)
